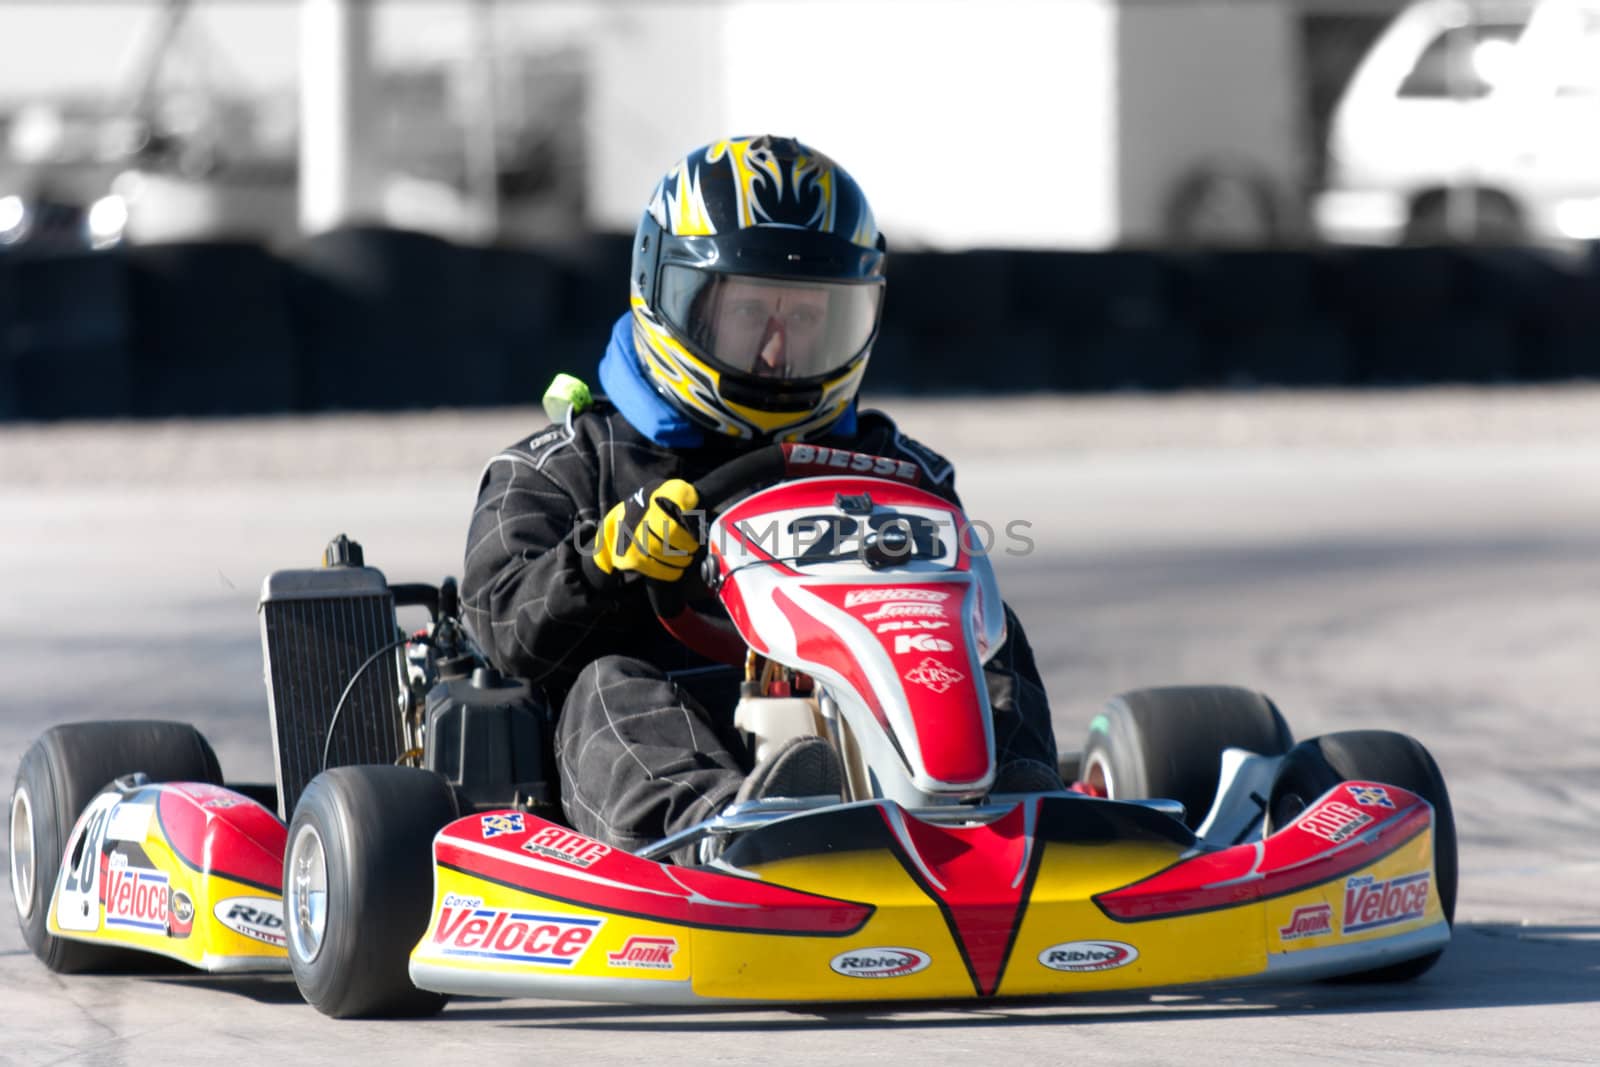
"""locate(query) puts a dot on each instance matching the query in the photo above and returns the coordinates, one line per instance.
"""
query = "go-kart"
(425, 854)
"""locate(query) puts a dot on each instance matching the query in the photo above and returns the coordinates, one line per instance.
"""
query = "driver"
(756, 288)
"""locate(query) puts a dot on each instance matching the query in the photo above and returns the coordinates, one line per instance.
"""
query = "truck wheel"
(1168, 742)
(59, 775)
(1313, 767)
(358, 887)
(1465, 216)
(1225, 203)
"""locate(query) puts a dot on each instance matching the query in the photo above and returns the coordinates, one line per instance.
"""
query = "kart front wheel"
(1313, 767)
(1168, 742)
(59, 775)
(358, 887)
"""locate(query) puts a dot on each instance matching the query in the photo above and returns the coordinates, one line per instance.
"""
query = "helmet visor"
(769, 327)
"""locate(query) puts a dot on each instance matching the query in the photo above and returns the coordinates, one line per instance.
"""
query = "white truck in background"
(1011, 123)
(1471, 120)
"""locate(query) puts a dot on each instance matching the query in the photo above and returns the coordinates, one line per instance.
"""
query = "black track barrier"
(945, 327)
(1415, 316)
(1263, 318)
(375, 319)
(519, 313)
(11, 403)
(64, 336)
(389, 319)
(1111, 319)
(211, 332)
(591, 293)
(1552, 302)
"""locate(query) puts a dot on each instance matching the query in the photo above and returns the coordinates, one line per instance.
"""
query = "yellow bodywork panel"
(1035, 928)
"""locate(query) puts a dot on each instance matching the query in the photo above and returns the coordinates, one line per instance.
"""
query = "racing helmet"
(757, 287)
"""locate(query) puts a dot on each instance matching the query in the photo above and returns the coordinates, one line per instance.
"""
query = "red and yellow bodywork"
(186, 870)
(1055, 894)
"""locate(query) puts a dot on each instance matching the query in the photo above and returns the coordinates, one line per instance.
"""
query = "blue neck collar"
(623, 381)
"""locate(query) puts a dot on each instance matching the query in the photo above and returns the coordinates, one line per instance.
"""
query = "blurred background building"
(1012, 123)
(187, 112)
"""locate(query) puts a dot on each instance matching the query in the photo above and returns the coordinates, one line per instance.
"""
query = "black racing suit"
(645, 744)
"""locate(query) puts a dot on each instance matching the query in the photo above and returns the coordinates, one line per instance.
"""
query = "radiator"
(317, 629)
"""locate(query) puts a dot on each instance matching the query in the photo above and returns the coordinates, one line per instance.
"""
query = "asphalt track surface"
(1427, 561)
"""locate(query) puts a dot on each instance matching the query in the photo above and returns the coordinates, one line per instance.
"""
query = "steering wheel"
(718, 639)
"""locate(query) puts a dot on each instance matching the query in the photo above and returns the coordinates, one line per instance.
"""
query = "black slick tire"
(59, 775)
(372, 827)
(1168, 742)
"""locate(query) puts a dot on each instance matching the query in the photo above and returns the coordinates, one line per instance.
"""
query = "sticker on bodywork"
(880, 962)
(1369, 903)
(1311, 921)
(495, 825)
(934, 675)
(1370, 796)
(649, 953)
(258, 918)
(566, 846)
(1087, 956)
(524, 937)
(857, 597)
(180, 915)
(1334, 821)
(136, 899)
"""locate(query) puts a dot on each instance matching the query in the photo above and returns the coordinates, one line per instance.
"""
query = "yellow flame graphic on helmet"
(866, 232)
(815, 170)
(750, 165)
(679, 206)
(758, 181)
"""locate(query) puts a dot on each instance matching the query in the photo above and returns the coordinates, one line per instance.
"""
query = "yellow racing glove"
(646, 534)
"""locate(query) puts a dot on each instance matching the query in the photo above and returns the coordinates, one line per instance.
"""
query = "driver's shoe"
(800, 767)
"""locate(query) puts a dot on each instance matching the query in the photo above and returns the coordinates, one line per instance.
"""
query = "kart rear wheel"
(1313, 767)
(358, 887)
(1168, 742)
(59, 775)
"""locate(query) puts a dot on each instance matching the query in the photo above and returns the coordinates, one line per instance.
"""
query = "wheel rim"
(306, 893)
(23, 865)
(1097, 776)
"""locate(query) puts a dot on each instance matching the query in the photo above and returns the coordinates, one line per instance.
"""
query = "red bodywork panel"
(213, 828)
(934, 666)
(1360, 831)
(980, 876)
(541, 857)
